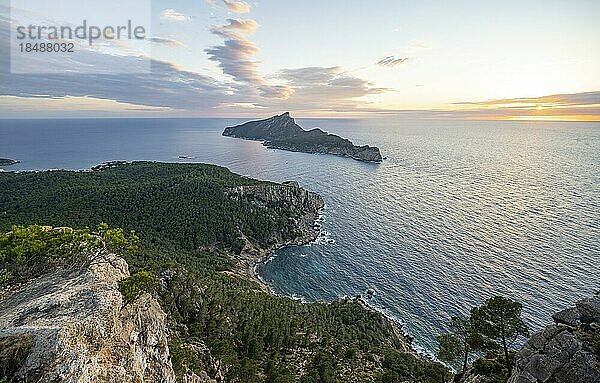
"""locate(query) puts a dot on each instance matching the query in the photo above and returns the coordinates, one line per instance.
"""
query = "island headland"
(8, 162)
(282, 132)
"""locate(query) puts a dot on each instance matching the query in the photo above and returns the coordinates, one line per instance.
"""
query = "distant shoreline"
(8, 162)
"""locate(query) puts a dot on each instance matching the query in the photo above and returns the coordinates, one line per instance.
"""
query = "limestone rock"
(80, 332)
(568, 317)
(471, 377)
(559, 352)
(589, 309)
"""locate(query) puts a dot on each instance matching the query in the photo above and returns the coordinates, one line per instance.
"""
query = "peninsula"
(8, 161)
(282, 132)
(191, 309)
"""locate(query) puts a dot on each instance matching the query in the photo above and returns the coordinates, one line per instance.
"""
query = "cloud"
(420, 45)
(171, 15)
(233, 6)
(325, 89)
(235, 28)
(565, 99)
(165, 86)
(565, 106)
(393, 61)
(172, 43)
(334, 78)
(242, 105)
(235, 57)
(237, 6)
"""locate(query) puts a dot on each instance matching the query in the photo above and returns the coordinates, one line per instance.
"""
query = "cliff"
(70, 326)
(280, 198)
(566, 351)
(282, 132)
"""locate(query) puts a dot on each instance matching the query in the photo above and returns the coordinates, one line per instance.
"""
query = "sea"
(459, 211)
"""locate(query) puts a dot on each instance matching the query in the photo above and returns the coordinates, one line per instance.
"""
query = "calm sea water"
(459, 211)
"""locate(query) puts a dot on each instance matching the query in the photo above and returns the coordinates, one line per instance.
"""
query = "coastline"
(250, 259)
(396, 324)
(250, 262)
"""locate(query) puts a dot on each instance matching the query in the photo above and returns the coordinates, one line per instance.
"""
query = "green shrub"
(27, 252)
(494, 369)
(132, 287)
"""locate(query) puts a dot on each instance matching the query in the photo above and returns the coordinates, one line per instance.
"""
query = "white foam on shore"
(324, 238)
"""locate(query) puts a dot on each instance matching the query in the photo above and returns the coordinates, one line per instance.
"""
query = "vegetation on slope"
(188, 231)
(28, 252)
(491, 331)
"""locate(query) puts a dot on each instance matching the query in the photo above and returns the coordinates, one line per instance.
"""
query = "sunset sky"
(426, 59)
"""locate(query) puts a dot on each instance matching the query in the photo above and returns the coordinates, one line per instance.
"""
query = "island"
(282, 132)
(8, 162)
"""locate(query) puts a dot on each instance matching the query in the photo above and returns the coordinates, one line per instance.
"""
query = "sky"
(515, 60)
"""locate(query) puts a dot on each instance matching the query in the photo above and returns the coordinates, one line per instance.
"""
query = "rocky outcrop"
(78, 330)
(470, 376)
(282, 132)
(564, 352)
(289, 196)
(8, 162)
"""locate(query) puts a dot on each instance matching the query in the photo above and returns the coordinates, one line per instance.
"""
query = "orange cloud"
(584, 106)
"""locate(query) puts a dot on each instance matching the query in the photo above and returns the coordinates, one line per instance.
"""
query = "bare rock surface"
(80, 332)
(563, 352)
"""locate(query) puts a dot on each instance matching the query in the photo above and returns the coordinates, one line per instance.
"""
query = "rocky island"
(8, 161)
(282, 132)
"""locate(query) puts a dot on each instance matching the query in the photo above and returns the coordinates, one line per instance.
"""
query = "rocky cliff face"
(289, 196)
(282, 132)
(564, 352)
(72, 328)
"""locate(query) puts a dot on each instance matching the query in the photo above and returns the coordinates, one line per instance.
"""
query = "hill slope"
(195, 223)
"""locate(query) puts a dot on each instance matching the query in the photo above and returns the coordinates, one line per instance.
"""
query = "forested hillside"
(190, 231)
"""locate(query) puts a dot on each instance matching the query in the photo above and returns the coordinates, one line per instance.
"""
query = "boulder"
(568, 317)
(561, 353)
(589, 309)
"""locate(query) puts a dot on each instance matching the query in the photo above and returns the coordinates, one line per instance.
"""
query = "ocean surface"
(458, 212)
